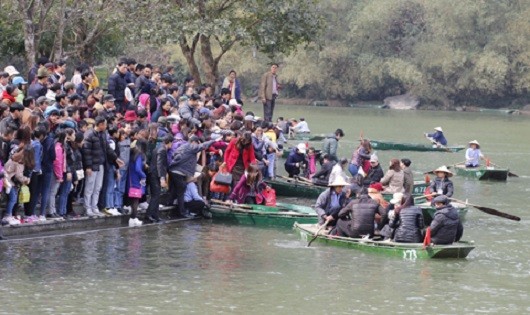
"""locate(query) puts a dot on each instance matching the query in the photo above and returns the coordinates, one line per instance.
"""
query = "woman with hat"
(375, 173)
(442, 185)
(331, 201)
(437, 138)
(473, 154)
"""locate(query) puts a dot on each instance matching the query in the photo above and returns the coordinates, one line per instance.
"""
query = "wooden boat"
(398, 146)
(411, 251)
(482, 172)
(307, 137)
(292, 187)
(502, 111)
(283, 215)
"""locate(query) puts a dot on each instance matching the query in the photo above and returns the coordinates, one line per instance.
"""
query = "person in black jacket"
(361, 213)
(158, 170)
(446, 227)
(375, 173)
(407, 220)
(96, 152)
(321, 177)
(117, 85)
(48, 156)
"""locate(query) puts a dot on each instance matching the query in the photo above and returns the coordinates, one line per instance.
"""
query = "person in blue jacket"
(437, 138)
(296, 160)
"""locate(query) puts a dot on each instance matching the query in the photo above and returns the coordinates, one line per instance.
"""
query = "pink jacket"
(58, 163)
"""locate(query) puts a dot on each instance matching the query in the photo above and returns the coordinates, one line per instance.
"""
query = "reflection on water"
(205, 268)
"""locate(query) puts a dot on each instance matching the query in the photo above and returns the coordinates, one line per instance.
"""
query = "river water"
(200, 267)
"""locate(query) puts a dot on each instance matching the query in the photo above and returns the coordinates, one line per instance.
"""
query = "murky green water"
(206, 268)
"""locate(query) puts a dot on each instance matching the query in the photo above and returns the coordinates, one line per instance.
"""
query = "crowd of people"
(146, 136)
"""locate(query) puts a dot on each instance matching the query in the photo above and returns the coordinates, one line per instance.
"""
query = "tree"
(212, 28)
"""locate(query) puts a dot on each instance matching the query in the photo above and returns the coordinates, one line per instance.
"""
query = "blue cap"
(19, 80)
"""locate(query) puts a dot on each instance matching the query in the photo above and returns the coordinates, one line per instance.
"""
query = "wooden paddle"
(490, 210)
(316, 234)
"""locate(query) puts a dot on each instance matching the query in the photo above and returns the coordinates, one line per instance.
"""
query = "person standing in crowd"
(239, 155)
(124, 153)
(331, 144)
(14, 179)
(137, 179)
(184, 164)
(268, 91)
(117, 84)
(96, 152)
(231, 82)
(408, 179)
(359, 157)
(158, 172)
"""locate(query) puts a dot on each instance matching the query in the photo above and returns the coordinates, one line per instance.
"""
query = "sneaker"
(115, 212)
(132, 223)
(138, 222)
(12, 221)
(89, 213)
(127, 209)
(143, 206)
(42, 218)
(107, 211)
(97, 213)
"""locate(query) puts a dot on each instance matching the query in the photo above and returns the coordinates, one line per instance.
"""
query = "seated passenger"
(322, 176)
(330, 202)
(442, 185)
(394, 178)
(357, 218)
(407, 220)
(446, 227)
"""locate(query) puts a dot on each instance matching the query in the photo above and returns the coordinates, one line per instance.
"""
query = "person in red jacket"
(239, 155)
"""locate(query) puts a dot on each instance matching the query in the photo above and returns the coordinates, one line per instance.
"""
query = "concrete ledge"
(57, 227)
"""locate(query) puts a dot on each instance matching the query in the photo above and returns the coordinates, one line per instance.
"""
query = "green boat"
(307, 137)
(502, 111)
(482, 172)
(398, 146)
(283, 215)
(410, 251)
(292, 187)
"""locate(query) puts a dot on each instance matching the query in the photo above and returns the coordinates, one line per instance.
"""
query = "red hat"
(377, 186)
(130, 116)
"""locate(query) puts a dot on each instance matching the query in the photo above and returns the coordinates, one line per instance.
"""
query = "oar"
(318, 232)
(424, 196)
(509, 173)
(490, 210)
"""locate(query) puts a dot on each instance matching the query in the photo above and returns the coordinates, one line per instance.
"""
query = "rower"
(331, 201)
(474, 155)
(446, 226)
(437, 138)
(442, 185)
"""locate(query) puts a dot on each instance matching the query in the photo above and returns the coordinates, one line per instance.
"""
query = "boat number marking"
(410, 254)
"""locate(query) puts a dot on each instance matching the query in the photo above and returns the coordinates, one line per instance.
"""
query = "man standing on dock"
(268, 91)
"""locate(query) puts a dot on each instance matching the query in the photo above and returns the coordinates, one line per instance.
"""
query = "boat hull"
(282, 219)
(388, 145)
(482, 173)
(297, 188)
(400, 250)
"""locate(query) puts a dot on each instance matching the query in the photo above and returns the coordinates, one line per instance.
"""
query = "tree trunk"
(189, 53)
(58, 40)
(211, 70)
(29, 31)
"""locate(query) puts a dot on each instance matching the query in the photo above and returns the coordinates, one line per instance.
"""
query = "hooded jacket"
(446, 227)
(408, 225)
(330, 146)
